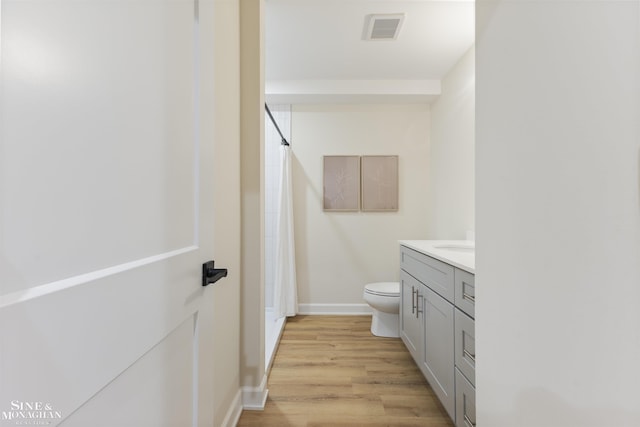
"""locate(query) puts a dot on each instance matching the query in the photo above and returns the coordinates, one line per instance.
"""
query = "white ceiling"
(317, 46)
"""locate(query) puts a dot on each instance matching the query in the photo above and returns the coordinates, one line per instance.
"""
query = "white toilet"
(384, 299)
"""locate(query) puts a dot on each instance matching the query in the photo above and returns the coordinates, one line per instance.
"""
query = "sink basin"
(462, 248)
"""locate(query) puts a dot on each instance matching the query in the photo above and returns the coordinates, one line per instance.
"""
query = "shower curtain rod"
(284, 140)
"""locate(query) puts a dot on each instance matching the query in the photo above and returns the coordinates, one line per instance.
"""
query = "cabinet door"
(411, 330)
(438, 358)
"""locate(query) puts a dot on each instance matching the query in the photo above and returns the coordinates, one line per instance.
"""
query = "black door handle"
(210, 274)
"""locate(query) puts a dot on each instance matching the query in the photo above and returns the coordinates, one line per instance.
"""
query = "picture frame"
(341, 183)
(379, 183)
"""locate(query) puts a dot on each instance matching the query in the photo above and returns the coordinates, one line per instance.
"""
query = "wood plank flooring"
(330, 371)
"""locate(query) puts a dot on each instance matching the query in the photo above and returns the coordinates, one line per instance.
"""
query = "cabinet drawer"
(435, 274)
(465, 345)
(465, 291)
(465, 402)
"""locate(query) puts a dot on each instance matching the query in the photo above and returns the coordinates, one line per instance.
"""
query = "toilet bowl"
(384, 299)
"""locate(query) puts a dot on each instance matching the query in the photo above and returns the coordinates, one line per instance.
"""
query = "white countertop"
(457, 254)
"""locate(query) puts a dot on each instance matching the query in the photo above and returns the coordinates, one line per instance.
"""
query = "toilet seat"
(384, 289)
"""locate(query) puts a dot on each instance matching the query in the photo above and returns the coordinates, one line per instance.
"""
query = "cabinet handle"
(468, 297)
(413, 300)
(469, 355)
(468, 421)
(418, 311)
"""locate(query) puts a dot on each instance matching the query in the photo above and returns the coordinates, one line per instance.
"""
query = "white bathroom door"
(103, 319)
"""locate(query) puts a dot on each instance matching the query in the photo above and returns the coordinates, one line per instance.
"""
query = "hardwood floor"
(330, 371)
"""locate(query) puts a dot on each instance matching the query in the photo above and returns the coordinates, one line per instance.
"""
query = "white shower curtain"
(285, 293)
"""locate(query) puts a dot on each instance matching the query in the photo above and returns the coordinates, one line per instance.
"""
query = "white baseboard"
(344, 309)
(234, 412)
(254, 398)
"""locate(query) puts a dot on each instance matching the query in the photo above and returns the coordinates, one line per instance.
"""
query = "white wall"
(558, 213)
(452, 166)
(252, 363)
(226, 86)
(338, 253)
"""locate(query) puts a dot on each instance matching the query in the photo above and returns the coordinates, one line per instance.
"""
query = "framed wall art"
(379, 183)
(341, 183)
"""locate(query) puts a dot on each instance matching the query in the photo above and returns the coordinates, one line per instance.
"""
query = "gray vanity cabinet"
(436, 324)
(426, 320)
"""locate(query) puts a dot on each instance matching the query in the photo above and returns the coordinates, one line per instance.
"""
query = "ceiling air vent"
(383, 27)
